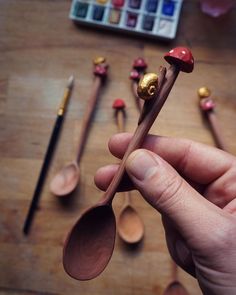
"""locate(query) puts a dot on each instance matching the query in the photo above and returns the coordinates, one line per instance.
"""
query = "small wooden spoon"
(90, 243)
(130, 225)
(139, 67)
(175, 287)
(207, 106)
(66, 180)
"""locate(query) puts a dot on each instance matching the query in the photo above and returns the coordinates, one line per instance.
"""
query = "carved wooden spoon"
(90, 243)
(175, 287)
(139, 67)
(130, 226)
(66, 180)
(207, 106)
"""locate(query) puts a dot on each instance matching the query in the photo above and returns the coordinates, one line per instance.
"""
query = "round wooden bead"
(134, 75)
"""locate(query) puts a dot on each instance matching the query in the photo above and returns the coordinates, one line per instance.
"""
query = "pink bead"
(207, 104)
(100, 71)
(134, 75)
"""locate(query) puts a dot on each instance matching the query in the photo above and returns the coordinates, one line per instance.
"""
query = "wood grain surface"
(39, 49)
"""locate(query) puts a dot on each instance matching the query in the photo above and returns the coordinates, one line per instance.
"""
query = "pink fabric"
(216, 8)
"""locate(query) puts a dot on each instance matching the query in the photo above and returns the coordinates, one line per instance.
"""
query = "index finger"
(198, 162)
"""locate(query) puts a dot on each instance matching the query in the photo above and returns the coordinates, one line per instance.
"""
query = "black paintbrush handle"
(43, 173)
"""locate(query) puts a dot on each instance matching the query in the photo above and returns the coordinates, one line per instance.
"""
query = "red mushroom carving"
(139, 64)
(182, 58)
(118, 104)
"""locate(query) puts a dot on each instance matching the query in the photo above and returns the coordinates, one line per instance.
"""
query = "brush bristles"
(70, 82)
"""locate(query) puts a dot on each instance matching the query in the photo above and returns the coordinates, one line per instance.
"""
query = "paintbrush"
(48, 155)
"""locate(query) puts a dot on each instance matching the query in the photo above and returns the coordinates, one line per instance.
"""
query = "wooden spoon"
(90, 243)
(207, 106)
(66, 180)
(175, 287)
(130, 225)
(139, 67)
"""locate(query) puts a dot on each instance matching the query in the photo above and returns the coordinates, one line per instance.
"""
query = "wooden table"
(40, 48)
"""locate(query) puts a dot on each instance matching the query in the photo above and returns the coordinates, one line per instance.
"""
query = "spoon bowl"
(90, 244)
(66, 180)
(130, 225)
(175, 287)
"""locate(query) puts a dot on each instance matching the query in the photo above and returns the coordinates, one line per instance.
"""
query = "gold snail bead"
(204, 92)
(148, 86)
(99, 60)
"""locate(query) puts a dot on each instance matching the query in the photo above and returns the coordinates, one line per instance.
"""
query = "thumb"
(162, 186)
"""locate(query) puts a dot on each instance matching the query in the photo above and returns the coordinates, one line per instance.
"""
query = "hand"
(193, 186)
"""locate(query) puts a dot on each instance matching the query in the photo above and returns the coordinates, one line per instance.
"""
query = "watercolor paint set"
(152, 18)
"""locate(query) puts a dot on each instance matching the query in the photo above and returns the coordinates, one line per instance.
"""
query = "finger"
(104, 176)
(223, 190)
(172, 196)
(231, 207)
(196, 161)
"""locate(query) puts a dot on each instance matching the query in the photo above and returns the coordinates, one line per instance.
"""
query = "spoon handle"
(138, 101)
(207, 106)
(127, 198)
(174, 270)
(216, 131)
(166, 81)
(120, 119)
(88, 115)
